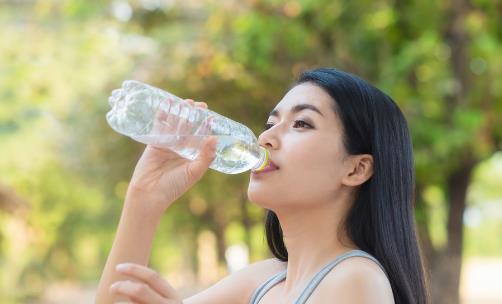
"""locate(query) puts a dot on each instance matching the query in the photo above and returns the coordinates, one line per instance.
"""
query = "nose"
(268, 139)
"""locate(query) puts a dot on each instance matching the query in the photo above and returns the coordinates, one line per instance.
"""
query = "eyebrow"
(298, 108)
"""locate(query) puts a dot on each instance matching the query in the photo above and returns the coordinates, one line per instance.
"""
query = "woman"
(340, 206)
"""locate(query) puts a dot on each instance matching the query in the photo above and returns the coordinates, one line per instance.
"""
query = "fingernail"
(114, 286)
(121, 267)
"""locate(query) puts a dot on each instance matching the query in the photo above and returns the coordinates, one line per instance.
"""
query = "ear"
(360, 169)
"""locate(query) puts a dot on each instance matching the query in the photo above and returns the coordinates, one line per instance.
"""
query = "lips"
(270, 167)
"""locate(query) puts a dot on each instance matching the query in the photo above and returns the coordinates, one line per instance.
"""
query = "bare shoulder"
(263, 270)
(239, 286)
(357, 280)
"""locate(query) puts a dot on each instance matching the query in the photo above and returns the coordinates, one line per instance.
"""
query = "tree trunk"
(10, 202)
(446, 267)
(446, 264)
(246, 221)
(220, 242)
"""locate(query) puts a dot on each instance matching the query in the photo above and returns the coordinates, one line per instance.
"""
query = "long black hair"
(381, 220)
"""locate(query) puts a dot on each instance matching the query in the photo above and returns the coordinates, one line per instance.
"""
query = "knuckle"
(153, 276)
(139, 289)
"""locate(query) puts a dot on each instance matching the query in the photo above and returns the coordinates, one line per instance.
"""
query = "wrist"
(141, 207)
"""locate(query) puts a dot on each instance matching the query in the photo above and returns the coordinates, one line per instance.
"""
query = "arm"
(132, 243)
(235, 288)
(160, 178)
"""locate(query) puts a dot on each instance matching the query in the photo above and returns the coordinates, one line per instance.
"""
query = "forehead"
(306, 93)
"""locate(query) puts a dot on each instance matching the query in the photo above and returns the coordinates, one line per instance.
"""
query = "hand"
(161, 176)
(148, 286)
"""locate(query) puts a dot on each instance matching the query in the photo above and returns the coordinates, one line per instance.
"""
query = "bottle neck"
(264, 160)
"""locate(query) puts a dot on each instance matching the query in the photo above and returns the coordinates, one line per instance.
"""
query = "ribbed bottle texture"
(156, 117)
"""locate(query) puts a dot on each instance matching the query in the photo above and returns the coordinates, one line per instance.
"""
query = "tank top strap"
(326, 269)
(262, 290)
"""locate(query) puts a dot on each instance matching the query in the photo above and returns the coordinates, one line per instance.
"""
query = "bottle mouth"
(264, 160)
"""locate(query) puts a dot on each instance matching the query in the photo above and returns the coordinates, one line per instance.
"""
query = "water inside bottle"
(233, 155)
(154, 117)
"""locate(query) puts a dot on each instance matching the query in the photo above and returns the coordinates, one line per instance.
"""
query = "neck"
(313, 236)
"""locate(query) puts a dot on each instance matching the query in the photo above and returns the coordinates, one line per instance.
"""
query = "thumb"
(199, 166)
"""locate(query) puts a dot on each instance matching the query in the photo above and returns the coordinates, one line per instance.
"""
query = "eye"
(300, 123)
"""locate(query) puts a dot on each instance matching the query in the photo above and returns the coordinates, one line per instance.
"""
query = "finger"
(196, 103)
(190, 101)
(208, 150)
(199, 166)
(137, 292)
(162, 121)
(148, 276)
(172, 119)
(201, 104)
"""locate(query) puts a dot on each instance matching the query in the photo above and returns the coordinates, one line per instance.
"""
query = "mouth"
(269, 168)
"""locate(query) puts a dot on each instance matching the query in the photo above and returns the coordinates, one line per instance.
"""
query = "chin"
(255, 196)
(260, 197)
(266, 198)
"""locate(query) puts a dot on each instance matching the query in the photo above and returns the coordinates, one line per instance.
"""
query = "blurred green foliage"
(65, 172)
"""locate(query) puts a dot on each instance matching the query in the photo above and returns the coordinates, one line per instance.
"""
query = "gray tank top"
(262, 290)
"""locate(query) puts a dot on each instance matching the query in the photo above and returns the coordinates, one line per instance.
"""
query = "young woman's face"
(304, 139)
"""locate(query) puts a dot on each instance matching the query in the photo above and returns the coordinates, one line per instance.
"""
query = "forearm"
(133, 243)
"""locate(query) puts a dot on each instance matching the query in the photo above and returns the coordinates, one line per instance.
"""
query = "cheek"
(317, 158)
(310, 172)
(312, 180)
(293, 187)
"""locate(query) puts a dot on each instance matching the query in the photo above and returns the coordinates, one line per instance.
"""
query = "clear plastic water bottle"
(156, 117)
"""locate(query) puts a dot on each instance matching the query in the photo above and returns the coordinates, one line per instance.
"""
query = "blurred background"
(64, 172)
